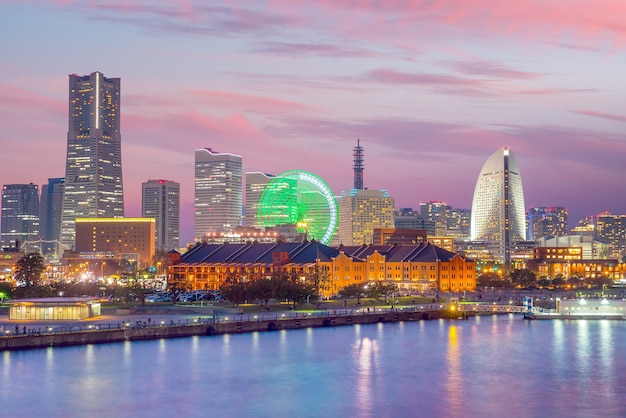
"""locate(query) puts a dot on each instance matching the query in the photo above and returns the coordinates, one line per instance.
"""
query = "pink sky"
(431, 88)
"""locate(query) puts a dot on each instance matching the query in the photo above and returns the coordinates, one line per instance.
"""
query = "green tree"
(264, 289)
(377, 290)
(523, 277)
(235, 290)
(6, 291)
(558, 282)
(485, 279)
(29, 268)
(353, 291)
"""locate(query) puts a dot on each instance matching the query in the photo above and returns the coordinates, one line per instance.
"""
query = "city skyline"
(430, 89)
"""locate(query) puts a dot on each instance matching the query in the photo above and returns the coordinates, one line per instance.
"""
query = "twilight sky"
(432, 88)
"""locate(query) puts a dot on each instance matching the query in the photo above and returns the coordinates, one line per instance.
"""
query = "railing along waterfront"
(54, 328)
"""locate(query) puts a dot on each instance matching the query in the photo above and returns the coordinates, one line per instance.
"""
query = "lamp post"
(102, 270)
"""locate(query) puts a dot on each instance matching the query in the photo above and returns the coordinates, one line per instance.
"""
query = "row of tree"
(264, 290)
(526, 278)
(374, 290)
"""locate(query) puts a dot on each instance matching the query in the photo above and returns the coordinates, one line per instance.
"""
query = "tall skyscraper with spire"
(93, 170)
(498, 215)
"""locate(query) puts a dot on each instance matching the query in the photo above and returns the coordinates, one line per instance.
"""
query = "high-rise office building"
(50, 210)
(407, 218)
(360, 212)
(255, 183)
(436, 212)
(546, 222)
(20, 217)
(498, 205)
(611, 229)
(93, 170)
(160, 199)
(218, 192)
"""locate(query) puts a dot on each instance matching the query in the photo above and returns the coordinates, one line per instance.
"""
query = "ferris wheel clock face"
(303, 199)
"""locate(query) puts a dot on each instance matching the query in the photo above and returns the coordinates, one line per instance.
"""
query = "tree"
(523, 277)
(353, 291)
(29, 269)
(377, 289)
(558, 282)
(235, 290)
(485, 279)
(320, 278)
(264, 289)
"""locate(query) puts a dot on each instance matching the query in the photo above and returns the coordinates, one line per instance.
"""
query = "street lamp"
(102, 269)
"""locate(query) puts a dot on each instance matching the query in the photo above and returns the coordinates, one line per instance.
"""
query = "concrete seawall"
(23, 342)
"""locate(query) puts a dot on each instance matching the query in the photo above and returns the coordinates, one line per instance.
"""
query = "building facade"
(411, 267)
(20, 217)
(218, 192)
(546, 222)
(498, 208)
(93, 170)
(360, 212)
(50, 211)
(255, 183)
(611, 229)
(160, 199)
(120, 236)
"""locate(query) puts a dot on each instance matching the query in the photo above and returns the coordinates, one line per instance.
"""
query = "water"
(494, 366)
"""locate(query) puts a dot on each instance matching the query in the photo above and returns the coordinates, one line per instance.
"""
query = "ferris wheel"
(299, 198)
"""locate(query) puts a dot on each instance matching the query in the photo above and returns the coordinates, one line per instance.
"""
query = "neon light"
(299, 198)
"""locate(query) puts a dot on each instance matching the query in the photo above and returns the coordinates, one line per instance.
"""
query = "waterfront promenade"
(169, 323)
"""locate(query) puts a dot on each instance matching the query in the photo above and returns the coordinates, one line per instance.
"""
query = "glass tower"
(20, 217)
(160, 199)
(93, 170)
(50, 209)
(498, 215)
(218, 192)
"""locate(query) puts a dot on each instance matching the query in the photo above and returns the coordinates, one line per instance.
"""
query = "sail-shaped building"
(498, 208)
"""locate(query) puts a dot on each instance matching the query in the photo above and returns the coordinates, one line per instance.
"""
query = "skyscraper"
(546, 222)
(218, 192)
(50, 209)
(255, 183)
(20, 216)
(360, 212)
(93, 170)
(160, 199)
(498, 205)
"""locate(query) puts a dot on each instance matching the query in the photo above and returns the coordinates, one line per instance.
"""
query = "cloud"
(602, 115)
(491, 69)
(295, 49)
(244, 102)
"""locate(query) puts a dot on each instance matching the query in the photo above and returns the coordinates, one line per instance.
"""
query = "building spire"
(358, 165)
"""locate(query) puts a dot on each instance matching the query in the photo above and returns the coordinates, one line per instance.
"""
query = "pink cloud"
(321, 49)
(602, 115)
(491, 69)
(245, 102)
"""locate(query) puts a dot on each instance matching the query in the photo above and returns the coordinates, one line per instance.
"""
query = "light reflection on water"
(490, 367)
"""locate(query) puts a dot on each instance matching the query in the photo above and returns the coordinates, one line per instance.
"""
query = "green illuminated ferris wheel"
(299, 198)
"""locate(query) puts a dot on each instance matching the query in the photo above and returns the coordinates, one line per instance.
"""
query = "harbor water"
(489, 366)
